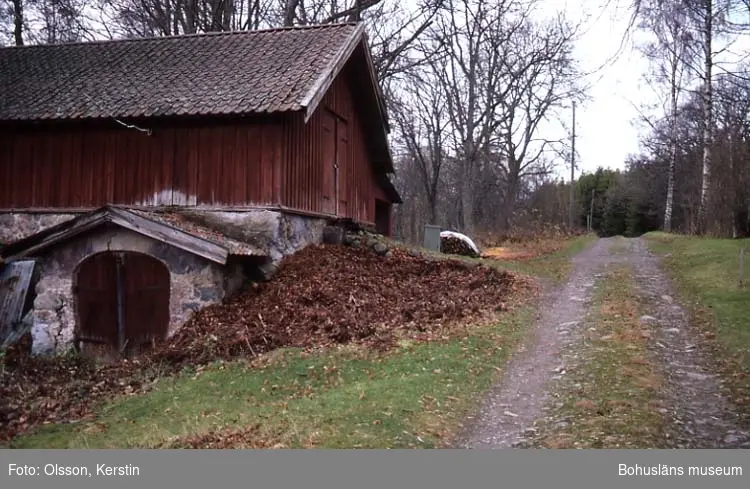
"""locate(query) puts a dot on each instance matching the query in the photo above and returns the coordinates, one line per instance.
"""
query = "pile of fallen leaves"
(450, 245)
(332, 294)
(320, 296)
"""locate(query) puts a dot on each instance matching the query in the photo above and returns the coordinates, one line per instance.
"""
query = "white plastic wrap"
(462, 237)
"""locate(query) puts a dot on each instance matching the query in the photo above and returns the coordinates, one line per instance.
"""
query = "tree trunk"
(510, 205)
(413, 224)
(673, 156)
(514, 171)
(191, 17)
(708, 129)
(733, 189)
(432, 208)
(289, 8)
(467, 188)
(467, 203)
(18, 22)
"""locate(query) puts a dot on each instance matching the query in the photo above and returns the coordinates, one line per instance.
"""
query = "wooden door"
(146, 301)
(122, 302)
(383, 217)
(329, 163)
(96, 300)
(342, 166)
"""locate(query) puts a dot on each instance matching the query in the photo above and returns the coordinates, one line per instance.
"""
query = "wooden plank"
(115, 185)
(228, 156)
(26, 162)
(96, 299)
(327, 163)
(255, 150)
(278, 162)
(94, 162)
(44, 172)
(183, 181)
(146, 300)
(240, 165)
(170, 235)
(218, 187)
(194, 169)
(6, 171)
(268, 164)
(15, 281)
(166, 183)
(76, 172)
(342, 156)
(62, 143)
(205, 167)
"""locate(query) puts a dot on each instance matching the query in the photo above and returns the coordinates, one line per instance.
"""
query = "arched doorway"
(122, 302)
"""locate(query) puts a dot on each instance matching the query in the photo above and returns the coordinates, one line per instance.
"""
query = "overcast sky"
(606, 130)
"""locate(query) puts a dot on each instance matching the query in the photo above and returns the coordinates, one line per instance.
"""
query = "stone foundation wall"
(194, 284)
(281, 233)
(14, 226)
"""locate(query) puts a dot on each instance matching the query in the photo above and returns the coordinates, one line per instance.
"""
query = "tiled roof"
(273, 70)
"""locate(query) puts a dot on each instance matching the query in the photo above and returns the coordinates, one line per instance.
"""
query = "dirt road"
(696, 413)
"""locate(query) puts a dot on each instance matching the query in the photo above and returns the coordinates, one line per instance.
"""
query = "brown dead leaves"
(249, 437)
(327, 295)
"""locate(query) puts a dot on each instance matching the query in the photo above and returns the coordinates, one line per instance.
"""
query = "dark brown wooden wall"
(71, 167)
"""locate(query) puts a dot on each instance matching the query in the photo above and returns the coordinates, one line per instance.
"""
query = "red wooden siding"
(336, 122)
(75, 168)
(320, 167)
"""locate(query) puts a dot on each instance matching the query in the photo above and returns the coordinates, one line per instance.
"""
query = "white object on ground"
(462, 237)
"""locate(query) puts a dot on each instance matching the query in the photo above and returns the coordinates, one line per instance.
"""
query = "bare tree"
(472, 33)
(422, 121)
(707, 21)
(538, 75)
(671, 52)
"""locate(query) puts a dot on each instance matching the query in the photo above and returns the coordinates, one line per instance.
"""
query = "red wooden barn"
(218, 145)
(291, 119)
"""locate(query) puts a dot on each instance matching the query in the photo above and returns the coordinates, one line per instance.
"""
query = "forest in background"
(471, 88)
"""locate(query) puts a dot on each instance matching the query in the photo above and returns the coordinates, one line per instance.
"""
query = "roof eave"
(54, 235)
(316, 93)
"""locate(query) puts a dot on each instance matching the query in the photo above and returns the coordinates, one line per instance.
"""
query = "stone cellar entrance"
(122, 301)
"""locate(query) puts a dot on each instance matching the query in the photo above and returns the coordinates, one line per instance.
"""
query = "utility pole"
(572, 169)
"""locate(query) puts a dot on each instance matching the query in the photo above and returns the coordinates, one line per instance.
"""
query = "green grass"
(706, 272)
(609, 399)
(414, 396)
